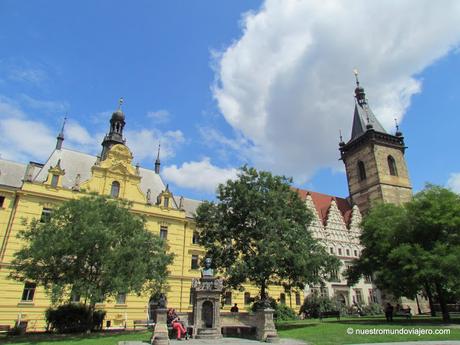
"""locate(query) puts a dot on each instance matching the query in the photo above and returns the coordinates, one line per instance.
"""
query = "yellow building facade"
(29, 191)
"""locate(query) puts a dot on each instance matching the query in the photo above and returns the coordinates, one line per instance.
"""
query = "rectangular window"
(247, 298)
(359, 296)
(282, 298)
(163, 232)
(46, 215)
(228, 298)
(54, 180)
(356, 252)
(331, 250)
(2, 200)
(334, 276)
(372, 297)
(348, 252)
(28, 292)
(297, 299)
(121, 298)
(166, 203)
(340, 251)
(194, 265)
(195, 237)
(367, 279)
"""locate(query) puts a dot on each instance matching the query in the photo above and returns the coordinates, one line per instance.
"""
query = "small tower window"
(392, 166)
(361, 171)
(115, 190)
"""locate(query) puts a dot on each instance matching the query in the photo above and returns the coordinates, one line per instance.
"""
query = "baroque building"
(376, 171)
(32, 190)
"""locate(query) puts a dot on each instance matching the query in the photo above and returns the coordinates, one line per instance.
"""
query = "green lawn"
(333, 332)
(80, 339)
(327, 332)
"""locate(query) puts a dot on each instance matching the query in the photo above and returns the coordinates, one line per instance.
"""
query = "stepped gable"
(323, 202)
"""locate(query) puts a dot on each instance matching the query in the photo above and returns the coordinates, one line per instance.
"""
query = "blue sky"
(223, 83)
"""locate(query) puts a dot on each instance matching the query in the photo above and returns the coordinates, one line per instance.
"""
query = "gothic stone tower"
(374, 160)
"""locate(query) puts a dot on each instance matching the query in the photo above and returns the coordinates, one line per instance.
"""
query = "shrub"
(314, 304)
(72, 318)
(372, 309)
(284, 313)
(281, 311)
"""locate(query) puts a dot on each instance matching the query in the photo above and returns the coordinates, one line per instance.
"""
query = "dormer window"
(392, 166)
(54, 180)
(166, 201)
(361, 171)
(115, 190)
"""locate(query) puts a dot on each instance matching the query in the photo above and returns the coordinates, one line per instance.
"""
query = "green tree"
(415, 246)
(257, 232)
(93, 247)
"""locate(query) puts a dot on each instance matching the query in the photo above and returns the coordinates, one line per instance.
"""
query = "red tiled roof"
(322, 203)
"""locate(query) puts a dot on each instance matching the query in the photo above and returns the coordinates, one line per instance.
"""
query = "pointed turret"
(157, 161)
(115, 135)
(60, 137)
(364, 119)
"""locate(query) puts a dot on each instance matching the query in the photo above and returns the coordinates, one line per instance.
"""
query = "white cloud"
(200, 176)
(144, 143)
(454, 182)
(159, 116)
(287, 83)
(9, 108)
(22, 139)
(28, 75)
(79, 135)
(47, 106)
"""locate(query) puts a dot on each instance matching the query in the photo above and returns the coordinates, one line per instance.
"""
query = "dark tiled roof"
(362, 113)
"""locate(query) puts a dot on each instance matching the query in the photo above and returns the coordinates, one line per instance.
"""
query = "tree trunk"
(442, 302)
(430, 300)
(89, 325)
(263, 294)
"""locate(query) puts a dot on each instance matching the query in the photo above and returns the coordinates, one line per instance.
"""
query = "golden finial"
(120, 102)
(355, 72)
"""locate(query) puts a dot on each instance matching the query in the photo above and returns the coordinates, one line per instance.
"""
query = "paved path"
(238, 341)
(435, 342)
(223, 341)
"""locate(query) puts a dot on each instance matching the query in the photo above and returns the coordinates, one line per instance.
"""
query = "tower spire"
(60, 137)
(157, 161)
(398, 132)
(115, 135)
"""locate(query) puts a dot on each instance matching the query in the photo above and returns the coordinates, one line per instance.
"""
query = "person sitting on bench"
(176, 324)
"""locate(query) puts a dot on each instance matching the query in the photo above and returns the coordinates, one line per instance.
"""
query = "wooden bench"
(5, 329)
(333, 313)
(403, 313)
(143, 323)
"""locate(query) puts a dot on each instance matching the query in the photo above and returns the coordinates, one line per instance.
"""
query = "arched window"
(361, 171)
(392, 166)
(115, 191)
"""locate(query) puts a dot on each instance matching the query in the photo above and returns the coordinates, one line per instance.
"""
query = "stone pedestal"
(206, 308)
(160, 331)
(266, 330)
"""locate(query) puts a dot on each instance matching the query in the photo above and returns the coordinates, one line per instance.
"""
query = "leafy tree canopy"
(413, 246)
(257, 232)
(93, 247)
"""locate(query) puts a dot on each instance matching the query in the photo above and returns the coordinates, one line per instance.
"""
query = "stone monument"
(206, 304)
(160, 331)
